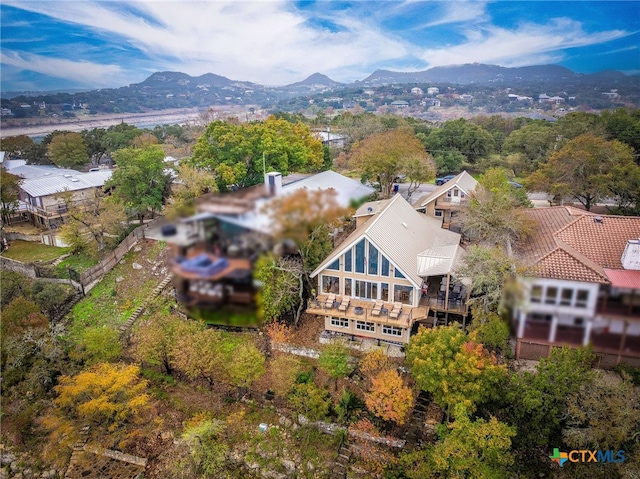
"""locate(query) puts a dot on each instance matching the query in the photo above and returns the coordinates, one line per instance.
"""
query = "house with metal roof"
(584, 285)
(446, 201)
(393, 272)
(41, 194)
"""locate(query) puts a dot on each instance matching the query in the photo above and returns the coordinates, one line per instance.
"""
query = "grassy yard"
(28, 251)
(77, 262)
(110, 302)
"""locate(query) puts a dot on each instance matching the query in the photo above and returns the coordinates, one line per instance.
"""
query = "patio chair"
(377, 308)
(344, 304)
(395, 312)
(329, 302)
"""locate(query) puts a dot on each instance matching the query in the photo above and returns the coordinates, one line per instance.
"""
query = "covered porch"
(610, 336)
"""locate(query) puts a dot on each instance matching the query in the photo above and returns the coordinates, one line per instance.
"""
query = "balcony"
(362, 310)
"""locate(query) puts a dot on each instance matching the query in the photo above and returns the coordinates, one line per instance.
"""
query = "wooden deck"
(362, 310)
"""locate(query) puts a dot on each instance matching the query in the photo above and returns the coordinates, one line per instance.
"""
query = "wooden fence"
(534, 350)
(111, 259)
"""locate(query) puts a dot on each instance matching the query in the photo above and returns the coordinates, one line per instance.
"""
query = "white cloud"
(528, 44)
(79, 72)
(268, 42)
(459, 12)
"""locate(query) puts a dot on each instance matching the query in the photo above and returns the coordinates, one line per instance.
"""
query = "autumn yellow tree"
(192, 183)
(374, 362)
(389, 398)
(105, 401)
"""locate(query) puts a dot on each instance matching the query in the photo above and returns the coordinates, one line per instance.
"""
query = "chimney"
(273, 183)
(631, 255)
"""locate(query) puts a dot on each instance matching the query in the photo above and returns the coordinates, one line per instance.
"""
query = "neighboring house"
(446, 201)
(400, 104)
(40, 195)
(217, 247)
(393, 272)
(585, 285)
(330, 139)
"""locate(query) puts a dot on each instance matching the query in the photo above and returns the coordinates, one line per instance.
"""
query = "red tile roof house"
(584, 287)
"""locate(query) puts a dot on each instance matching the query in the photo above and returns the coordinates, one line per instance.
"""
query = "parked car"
(515, 184)
(444, 179)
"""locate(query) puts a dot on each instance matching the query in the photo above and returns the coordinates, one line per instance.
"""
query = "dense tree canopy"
(9, 194)
(494, 212)
(461, 136)
(140, 182)
(239, 154)
(384, 156)
(588, 169)
(458, 372)
(533, 141)
(68, 150)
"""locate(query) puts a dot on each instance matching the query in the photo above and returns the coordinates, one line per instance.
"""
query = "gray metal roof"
(464, 181)
(50, 185)
(39, 171)
(401, 234)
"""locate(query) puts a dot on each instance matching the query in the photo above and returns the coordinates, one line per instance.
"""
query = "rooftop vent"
(67, 176)
(370, 209)
(598, 219)
(404, 224)
(75, 179)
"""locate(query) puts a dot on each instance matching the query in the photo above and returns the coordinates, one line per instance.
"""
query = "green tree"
(198, 352)
(93, 223)
(119, 136)
(534, 141)
(9, 194)
(418, 171)
(192, 183)
(479, 449)
(583, 169)
(68, 150)
(603, 415)
(384, 156)
(494, 212)
(203, 436)
(310, 401)
(16, 146)
(457, 371)
(94, 140)
(334, 360)
(240, 153)
(155, 340)
(623, 124)
(49, 296)
(489, 329)
(96, 344)
(537, 401)
(246, 365)
(282, 286)
(492, 274)
(140, 182)
(469, 139)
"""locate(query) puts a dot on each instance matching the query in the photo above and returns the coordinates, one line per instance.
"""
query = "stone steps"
(141, 309)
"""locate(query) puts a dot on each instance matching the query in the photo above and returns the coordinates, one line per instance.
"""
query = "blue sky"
(61, 44)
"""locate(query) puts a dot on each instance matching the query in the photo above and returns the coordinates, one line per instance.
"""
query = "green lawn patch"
(77, 262)
(29, 251)
(110, 303)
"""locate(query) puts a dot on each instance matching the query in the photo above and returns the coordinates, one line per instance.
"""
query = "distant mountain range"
(165, 90)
